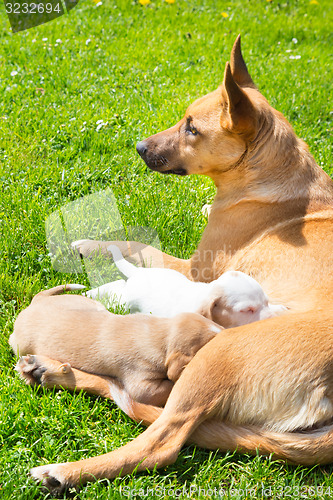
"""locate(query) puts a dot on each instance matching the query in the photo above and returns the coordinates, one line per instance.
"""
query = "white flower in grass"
(14, 73)
(45, 39)
(58, 40)
(88, 41)
(294, 40)
(34, 40)
(100, 124)
(295, 57)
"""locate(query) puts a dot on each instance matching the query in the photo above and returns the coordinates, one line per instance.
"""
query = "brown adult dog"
(272, 218)
(146, 354)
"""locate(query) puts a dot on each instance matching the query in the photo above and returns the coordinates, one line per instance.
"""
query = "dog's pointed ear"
(238, 67)
(238, 111)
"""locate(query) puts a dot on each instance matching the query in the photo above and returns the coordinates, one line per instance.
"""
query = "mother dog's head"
(219, 131)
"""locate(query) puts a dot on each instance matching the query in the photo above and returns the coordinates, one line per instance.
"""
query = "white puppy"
(233, 299)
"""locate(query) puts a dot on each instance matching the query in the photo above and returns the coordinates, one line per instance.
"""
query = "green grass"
(140, 70)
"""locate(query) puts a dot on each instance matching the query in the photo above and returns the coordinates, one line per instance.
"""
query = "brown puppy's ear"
(175, 364)
(238, 67)
(238, 111)
(216, 310)
(206, 309)
(209, 307)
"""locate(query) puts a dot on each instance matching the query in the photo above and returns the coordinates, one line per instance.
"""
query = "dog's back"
(46, 307)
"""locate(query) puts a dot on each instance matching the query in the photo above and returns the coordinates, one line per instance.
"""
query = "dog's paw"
(77, 244)
(89, 248)
(278, 309)
(51, 478)
(206, 209)
(39, 370)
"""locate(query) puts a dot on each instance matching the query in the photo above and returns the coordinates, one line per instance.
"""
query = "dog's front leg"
(139, 253)
(188, 405)
(158, 446)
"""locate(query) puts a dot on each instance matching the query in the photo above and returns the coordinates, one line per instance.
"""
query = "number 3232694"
(32, 8)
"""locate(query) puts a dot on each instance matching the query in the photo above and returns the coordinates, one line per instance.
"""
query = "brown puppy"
(255, 386)
(145, 354)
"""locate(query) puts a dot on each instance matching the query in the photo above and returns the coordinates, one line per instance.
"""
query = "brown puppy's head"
(214, 133)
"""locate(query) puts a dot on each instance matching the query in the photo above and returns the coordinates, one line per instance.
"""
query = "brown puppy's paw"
(39, 370)
(51, 478)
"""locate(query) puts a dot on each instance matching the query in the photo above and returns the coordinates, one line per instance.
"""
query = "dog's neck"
(276, 167)
(271, 186)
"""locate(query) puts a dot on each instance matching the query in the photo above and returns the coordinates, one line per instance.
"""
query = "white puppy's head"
(236, 299)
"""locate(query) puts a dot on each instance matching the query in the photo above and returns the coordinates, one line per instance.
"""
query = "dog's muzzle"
(142, 149)
(156, 162)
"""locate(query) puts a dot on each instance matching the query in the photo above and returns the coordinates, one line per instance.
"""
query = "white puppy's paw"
(112, 290)
(51, 478)
(206, 209)
(278, 309)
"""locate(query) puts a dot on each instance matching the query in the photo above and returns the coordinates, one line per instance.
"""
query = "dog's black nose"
(141, 148)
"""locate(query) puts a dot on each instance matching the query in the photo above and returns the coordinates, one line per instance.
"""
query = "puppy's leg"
(111, 290)
(148, 391)
(139, 253)
(40, 370)
(277, 309)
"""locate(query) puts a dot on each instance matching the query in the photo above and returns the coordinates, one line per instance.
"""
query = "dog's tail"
(57, 290)
(123, 265)
(307, 448)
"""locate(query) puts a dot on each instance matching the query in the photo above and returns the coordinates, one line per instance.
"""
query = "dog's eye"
(190, 129)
